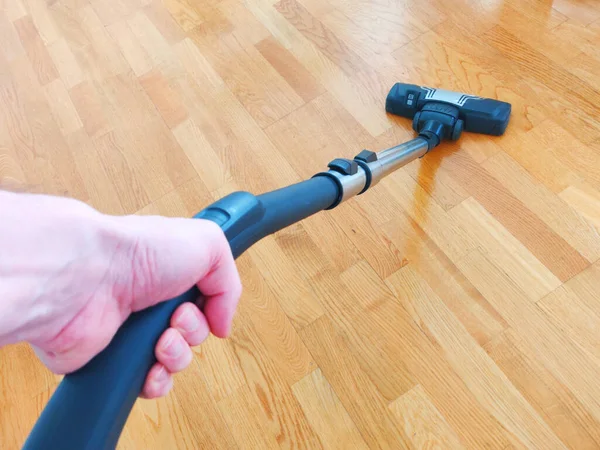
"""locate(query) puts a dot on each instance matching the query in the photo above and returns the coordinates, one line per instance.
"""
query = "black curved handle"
(90, 406)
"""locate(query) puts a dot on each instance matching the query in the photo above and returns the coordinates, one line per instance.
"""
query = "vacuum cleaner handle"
(479, 115)
(89, 408)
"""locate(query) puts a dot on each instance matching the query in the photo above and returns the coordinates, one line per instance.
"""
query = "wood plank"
(524, 269)
(255, 164)
(584, 12)
(202, 156)
(126, 181)
(247, 422)
(42, 18)
(532, 21)
(586, 286)
(360, 104)
(37, 137)
(92, 46)
(565, 146)
(451, 236)
(438, 185)
(291, 290)
(573, 367)
(394, 352)
(552, 400)
(196, 64)
(11, 172)
(553, 210)
(65, 63)
(284, 418)
(422, 422)
(164, 22)
(332, 47)
(552, 250)
(576, 316)
(569, 314)
(541, 69)
(36, 50)
(326, 414)
(116, 10)
(288, 67)
(222, 371)
(272, 326)
(90, 109)
(62, 107)
(474, 311)
(238, 65)
(167, 101)
(14, 10)
(584, 200)
(10, 43)
(21, 398)
(209, 427)
(154, 44)
(132, 50)
(183, 13)
(102, 188)
(345, 375)
(245, 26)
(490, 385)
(585, 37)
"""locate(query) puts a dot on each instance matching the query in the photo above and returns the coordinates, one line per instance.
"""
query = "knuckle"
(199, 337)
(217, 236)
(212, 230)
(236, 288)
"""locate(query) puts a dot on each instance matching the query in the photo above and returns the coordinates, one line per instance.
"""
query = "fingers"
(221, 287)
(190, 323)
(172, 351)
(158, 382)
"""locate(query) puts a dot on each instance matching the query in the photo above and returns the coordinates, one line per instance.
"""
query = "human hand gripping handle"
(90, 406)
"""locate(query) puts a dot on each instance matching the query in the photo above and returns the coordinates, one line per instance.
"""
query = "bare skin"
(70, 276)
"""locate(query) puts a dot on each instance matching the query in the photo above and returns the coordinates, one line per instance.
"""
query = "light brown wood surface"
(455, 305)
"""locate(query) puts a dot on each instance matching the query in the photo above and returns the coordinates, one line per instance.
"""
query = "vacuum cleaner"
(90, 407)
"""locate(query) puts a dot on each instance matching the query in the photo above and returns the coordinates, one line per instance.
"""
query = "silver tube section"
(387, 161)
(351, 184)
(395, 157)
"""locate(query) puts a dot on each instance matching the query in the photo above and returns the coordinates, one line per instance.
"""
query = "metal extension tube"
(387, 161)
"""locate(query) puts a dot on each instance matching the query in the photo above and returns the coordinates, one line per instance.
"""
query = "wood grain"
(422, 422)
(326, 413)
(339, 366)
(453, 305)
(36, 50)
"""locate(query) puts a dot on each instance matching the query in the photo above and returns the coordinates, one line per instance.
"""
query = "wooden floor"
(455, 304)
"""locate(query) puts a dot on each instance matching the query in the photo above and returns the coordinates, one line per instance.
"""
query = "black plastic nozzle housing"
(478, 115)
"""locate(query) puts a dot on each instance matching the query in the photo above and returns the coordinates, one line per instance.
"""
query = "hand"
(70, 276)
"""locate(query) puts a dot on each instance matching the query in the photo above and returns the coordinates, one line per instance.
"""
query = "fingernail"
(188, 321)
(173, 346)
